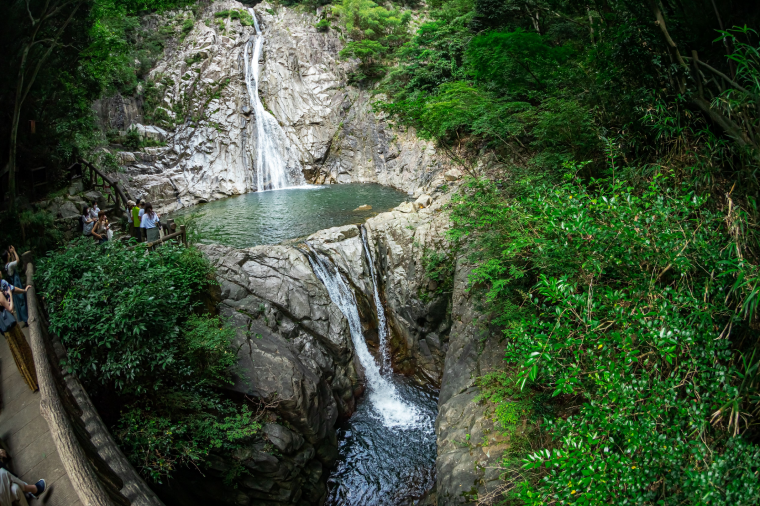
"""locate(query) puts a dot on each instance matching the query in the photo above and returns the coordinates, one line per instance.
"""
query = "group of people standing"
(145, 220)
(13, 490)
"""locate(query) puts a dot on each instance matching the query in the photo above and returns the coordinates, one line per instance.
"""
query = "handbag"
(7, 321)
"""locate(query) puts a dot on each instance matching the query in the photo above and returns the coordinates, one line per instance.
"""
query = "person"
(15, 489)
(100, 230)
(88, 223)
(12, 488)
(135, 210)
(140, 215)
(20, 350)
(149, 222)
(94, 210)
(12, 267)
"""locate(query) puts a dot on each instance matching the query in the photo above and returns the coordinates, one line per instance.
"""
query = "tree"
(45, 33)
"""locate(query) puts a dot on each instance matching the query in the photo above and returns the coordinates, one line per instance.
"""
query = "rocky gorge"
(296, 353)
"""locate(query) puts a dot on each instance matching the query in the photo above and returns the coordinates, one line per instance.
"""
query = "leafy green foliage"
(135, 337)
(633, 312)
(120, 331)
(322, 25)
(181, 430)
(374, 31)
(439, 269)
(627, 292)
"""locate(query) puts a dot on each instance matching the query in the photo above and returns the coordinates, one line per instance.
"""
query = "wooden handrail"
(182, 234)
(113, 184)
(74, 460)
(92, 484)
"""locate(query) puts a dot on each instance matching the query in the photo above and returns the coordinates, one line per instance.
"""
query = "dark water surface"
(386, 466)
(274, 216)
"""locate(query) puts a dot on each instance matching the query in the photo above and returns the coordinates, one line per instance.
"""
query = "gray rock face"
(419, 318)
(467, 468)
(330, 126)
(295, 354)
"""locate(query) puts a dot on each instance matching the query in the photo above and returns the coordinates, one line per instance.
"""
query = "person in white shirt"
(94, 210)
(149, 222)
(139, 216)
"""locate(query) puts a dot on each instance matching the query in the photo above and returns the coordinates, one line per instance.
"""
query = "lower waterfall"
(382, 324)
(382, 393)
(387, 449)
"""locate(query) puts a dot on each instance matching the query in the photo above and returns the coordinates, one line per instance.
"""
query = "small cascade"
(382, 393)
(272, 172)
(382, 326)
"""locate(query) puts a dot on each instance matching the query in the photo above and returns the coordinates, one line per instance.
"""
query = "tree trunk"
(24, 83)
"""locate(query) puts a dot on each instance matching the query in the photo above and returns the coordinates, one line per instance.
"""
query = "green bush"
(635, 303)
(323, 25)
(126, 319)
(122, 330)
(132, 140)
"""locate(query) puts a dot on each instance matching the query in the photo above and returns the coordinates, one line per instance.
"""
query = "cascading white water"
(382, 326)
(272, 172)
(394, 411)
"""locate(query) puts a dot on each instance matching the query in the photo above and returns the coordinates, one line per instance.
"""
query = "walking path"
(27, 436)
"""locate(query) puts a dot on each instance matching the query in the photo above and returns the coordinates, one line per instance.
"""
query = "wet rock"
(423, 201)
(365, 207)
(467, 463)
(149, 131)
(125, 157)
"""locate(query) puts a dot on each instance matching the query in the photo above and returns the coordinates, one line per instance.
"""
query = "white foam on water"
(390, 408)
(272, 171)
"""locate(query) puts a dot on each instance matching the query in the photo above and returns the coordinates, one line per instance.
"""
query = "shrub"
(323, 25)
(120, 331)
(132, 140)
(632, 307)
(126, 319)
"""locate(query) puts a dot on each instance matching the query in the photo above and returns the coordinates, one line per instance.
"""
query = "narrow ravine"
(272, 171)
(387, 448)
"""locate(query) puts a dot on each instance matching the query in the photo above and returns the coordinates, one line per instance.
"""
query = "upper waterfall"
(272, 171)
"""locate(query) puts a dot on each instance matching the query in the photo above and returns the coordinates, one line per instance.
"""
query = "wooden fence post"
(183, 230)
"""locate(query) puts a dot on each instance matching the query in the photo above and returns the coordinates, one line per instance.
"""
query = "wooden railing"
(92, 173)
(97, 468)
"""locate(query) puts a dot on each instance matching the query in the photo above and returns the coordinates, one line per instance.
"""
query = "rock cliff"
(210, 150)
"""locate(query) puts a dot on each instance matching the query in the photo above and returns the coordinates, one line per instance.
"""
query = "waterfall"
(386, 401)
(382, 326)
(271, 168)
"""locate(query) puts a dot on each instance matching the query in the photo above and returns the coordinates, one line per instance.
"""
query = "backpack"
(7, 321)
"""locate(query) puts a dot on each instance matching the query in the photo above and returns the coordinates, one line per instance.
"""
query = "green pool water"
(272, 217)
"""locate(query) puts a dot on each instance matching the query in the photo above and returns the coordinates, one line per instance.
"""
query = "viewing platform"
(27, 438)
